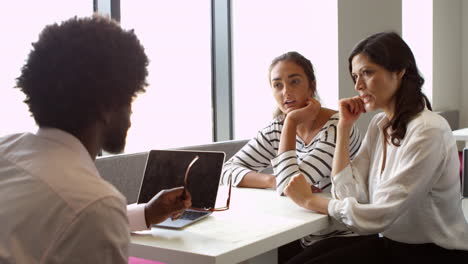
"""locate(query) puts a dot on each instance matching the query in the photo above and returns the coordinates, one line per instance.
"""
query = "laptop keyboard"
(191, 215)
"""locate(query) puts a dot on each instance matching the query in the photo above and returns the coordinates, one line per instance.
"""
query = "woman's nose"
(359, 85)
(287, 89)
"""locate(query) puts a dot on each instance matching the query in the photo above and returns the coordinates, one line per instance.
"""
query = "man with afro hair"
(80, 79)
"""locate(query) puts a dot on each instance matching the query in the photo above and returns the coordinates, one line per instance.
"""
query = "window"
(417, 27)
(21, 23)
(265, 29)
(176, 110)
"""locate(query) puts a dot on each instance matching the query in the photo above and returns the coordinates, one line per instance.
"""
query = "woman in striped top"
(300, 139)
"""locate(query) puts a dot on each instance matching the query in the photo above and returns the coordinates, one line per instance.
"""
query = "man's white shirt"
(54, 206)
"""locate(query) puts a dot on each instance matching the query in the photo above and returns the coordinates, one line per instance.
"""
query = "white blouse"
(416, 199)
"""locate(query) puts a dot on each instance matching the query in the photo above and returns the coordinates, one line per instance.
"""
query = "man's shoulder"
(70, 176)
(81, 189)
(8, 141)
(76, 187)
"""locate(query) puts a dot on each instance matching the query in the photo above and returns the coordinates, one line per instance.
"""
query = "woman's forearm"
(258, 180)
(318, 204)
(288, 136)
(341, 157)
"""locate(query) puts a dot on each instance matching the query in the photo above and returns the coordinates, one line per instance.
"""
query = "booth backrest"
(125, 171)
(452, 117)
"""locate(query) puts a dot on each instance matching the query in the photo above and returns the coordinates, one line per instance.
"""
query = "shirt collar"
(382, 122)
(66, 139)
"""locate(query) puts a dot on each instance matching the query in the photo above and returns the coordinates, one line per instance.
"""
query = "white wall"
(463, 100)
(357, 19)
(447, 78)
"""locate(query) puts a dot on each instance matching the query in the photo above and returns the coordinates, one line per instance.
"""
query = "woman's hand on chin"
(309, 112)
(350, 109)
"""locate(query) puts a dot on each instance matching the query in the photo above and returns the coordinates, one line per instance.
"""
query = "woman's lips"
(289, 103)
(366, 98)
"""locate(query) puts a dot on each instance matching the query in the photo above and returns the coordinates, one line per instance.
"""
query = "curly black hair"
(79, 69)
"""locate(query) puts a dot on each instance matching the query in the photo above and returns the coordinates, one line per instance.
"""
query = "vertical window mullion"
(221, 70)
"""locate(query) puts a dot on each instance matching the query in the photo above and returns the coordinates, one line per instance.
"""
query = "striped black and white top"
(313, 160)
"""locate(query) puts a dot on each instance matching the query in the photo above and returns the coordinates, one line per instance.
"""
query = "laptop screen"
(165, 169)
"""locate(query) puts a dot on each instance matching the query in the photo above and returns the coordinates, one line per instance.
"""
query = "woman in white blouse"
(404, 182)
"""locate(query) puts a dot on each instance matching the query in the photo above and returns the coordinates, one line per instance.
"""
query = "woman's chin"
(290, 109)
(369, 107)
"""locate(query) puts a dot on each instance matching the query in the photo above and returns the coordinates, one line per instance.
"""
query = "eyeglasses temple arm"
(186, 176)
(229, 194)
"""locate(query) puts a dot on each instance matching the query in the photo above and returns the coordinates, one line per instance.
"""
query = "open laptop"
(165, 169)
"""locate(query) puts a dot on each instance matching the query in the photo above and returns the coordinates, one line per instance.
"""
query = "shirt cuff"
(239, 176)
(331, 208)
(136, 217)
(340, 182)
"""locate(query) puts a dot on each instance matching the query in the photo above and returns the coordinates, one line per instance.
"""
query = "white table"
(257, 223)
(461, 135)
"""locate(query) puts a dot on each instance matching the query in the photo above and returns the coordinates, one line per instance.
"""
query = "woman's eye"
(366, 72)
(296, 81)
(277, 85)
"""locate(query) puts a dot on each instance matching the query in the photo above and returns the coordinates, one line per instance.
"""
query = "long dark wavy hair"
(390, 51)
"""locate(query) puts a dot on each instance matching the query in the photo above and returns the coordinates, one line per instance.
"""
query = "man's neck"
(90, 139)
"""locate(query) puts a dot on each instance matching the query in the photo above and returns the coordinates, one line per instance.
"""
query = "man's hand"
(165, 204)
